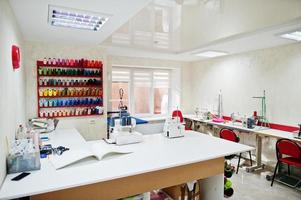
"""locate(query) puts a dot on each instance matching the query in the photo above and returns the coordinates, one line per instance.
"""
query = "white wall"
(276, 70)
(12, 87)
(90, 127)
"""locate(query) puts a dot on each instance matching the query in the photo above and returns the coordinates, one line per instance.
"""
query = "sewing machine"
(173, 128)
(122, 131)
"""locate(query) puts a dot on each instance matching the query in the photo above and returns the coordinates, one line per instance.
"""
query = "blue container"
(123, 121)
(250, 123)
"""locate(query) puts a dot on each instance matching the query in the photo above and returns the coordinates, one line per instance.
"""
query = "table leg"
(259, 164)
(193, 125)
(212, 187)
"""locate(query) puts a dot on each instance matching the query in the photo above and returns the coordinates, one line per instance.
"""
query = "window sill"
(152, 118)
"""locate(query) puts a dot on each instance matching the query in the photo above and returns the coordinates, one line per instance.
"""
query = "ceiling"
(167, 29)
(231, 26)
(32, 17)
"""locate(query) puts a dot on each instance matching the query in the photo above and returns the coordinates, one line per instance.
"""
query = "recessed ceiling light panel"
(72, 18)
(211, 54)
(295, 35)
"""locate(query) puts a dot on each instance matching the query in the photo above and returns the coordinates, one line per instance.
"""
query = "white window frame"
(131, 99)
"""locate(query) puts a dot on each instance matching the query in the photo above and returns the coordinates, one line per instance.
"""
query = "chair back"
(228, 134)
(288, 147)
(178, 113)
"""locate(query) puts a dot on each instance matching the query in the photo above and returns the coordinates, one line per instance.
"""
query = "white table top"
(278, 134)
(195, 118)
(155, 153)
(263, 131)
(237, 126)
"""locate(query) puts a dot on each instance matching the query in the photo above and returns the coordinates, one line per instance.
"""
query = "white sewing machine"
(124, 134)
(173, 128)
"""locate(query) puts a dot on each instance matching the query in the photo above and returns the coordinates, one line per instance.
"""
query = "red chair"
(178, 113)
(228, 134)
(288, 152)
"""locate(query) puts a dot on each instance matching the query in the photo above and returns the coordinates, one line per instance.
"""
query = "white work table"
(154, 154)
(195, 118)
(278, 134)
(259, 131)
(236, 126)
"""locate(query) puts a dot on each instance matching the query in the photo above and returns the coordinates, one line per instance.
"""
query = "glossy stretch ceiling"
(169, 29)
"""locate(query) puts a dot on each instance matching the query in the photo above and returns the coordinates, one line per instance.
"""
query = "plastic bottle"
(244, 121)
(20, 132)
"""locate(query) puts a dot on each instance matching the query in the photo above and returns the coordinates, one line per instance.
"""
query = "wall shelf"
(72, 106)
(85, 115)
(74, 96)
(41, 64)
(69, 76)
(82, 67)
(74, 86)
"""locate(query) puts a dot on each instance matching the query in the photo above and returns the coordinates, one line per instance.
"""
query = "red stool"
(228, 134)
(288, 152)
(178, 113)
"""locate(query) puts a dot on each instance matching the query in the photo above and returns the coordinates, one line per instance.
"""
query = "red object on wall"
(15, 55)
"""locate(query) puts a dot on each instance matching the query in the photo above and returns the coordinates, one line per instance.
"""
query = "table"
(260, 132)
(158, 162)
(238, 126)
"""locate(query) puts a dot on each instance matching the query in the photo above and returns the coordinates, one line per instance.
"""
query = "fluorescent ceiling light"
(67, 17)
(296, 35)
(211, 54)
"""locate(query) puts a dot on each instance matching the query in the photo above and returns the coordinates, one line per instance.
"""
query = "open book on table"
(96, 150)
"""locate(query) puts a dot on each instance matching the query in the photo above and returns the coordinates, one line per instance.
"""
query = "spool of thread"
(228, 184)
(54, 92)
(44, 71)
(41, 103)
(54, 102)
(228, 192)
(45, 102)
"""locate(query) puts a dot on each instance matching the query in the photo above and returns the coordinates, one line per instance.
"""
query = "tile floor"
(254, 186)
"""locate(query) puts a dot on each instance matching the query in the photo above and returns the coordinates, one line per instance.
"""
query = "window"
(121, 80)
(161, 90)
(145, 91)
